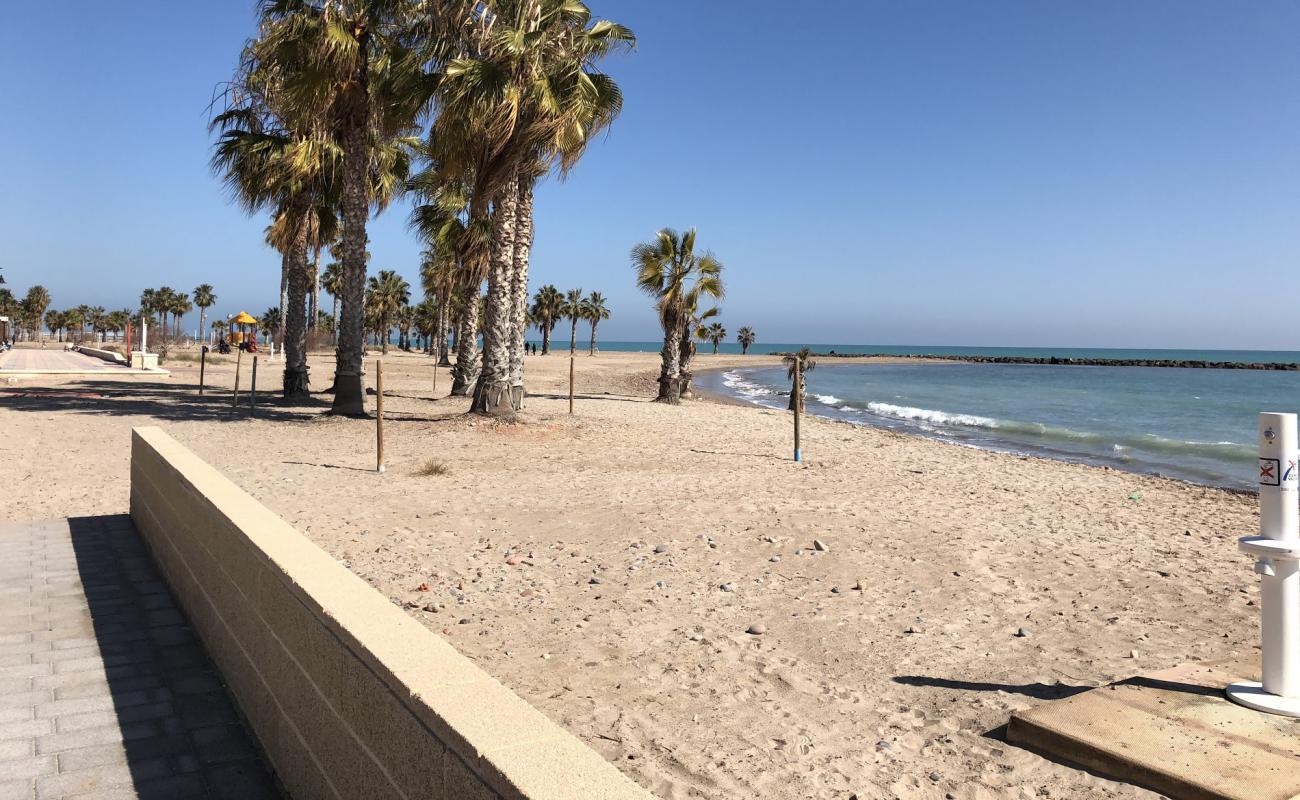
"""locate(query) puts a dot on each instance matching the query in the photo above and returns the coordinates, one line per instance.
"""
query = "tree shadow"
(155, 399)
(180, 733)
(743, 455)
(1038, 691)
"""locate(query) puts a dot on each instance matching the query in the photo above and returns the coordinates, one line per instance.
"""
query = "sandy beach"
(607, 565)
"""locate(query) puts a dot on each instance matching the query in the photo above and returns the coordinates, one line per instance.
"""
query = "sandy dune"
(582, 560)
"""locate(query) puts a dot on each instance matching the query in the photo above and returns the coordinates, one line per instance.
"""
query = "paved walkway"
(104, 690)
(54, 359)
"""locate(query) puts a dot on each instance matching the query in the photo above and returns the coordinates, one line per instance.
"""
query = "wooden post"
(252, 392)
(435, 378)
(239, 357)
(570, 383)
(379, 415)
(203, 364)
(798, 404)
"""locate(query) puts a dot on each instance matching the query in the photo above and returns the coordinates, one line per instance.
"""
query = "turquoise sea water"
(1194, 424)
(1252, 356)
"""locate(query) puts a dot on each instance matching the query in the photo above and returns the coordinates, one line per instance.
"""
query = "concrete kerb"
(504, 744)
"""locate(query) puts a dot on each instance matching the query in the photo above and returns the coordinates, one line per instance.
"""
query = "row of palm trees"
(337, 107)
(169, 306)
(26, 314)
(73, 322)
(550, 306)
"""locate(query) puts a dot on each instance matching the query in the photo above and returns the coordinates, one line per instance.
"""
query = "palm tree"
(116, 322)
(596, 312)
(332, 281)
(746, 338)
(70, 320)
(204, 298)
(387, 294)
(670, 272)
(55, 321)
(34, 305)
(344, 67)
(547, 310)
(220, 326)
(714, 334)
(806, 364)
(270, 321)
(694, 329)
(180, 306)
(574, 309)
(99, 322)
(164, 299)
(521, 97)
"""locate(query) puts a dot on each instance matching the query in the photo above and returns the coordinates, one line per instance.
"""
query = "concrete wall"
(107, 355)
(348, 695)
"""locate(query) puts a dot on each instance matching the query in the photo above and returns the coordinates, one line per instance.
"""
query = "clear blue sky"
(994, 173)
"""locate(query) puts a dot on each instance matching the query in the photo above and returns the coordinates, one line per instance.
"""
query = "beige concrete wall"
(107, 355)
(348, 695)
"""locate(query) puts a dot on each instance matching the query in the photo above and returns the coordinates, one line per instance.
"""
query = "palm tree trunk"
(464, 372)
(523, 248)
(493, 394)
(444, 329)
(285, 269)
(592, 351)
(355, 210)
(546, 337)
(313, 311)
(669, 371)
(297, 385)
(203, 321)
(684, 370)
(573, 337)
(387, 328)
(335, 316)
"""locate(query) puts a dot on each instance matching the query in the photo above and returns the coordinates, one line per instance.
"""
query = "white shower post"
(1277, 550)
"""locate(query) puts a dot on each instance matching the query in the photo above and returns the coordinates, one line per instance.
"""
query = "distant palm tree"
(55, 320)
(574, 309)
(715, 333)
(806, 364)
(269, 322)
(386, 294)
(746, 338)
(670, 272)
(332, 281)
(163, 300)
(72, 319)
(180, 306)
(547, 310)
(596, 312)
(204, 298)
(99, 321)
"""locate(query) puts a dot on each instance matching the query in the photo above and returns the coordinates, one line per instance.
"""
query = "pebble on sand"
(774, 559)
(595, 581)
(728, 586)
(661, 548)
(1023, 633)
(757, 629)
(818, 544)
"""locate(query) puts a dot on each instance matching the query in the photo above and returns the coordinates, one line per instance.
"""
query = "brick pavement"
(104, 690)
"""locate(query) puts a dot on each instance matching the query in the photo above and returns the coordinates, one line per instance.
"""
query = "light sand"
(652, 665)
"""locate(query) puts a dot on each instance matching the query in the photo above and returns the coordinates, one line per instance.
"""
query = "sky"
(1101, 174)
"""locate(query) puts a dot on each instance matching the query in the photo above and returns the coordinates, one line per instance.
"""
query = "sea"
(1197, 425)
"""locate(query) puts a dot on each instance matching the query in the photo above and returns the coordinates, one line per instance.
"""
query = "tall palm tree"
(345, 65)
(547, 311)
(695, 329)
(99, 322)
(204, 297)
(180, 306)
(55, 322)
(574, 309)
(164, 298)
(388, 293)
(596, 313)
(806, 364)
(34, 305)
(746, 338)
(522, 98)
(714, 334)
(270, 321)
(670, 272)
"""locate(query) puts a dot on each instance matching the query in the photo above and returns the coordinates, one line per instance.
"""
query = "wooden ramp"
(1174, 732)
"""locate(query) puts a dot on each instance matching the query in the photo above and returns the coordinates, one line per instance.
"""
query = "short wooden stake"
(798, 405)
(379, 415)
(239, 357)
(203, 363)
(570, 383)
(252, 392)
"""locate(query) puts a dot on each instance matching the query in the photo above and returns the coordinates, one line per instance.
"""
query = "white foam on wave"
(737, 382)
(931, 416)
(828, 399)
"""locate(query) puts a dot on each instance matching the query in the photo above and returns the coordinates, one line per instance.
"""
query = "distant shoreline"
(1281, 366)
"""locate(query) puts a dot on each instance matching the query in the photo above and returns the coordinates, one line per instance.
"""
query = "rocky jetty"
(1079, 362)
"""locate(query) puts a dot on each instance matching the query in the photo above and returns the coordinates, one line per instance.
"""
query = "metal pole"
(1277, 548)
(570, 383)
(203, 364)
(379, 415)
(239, 357)
(252, 391)
(798, 405)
